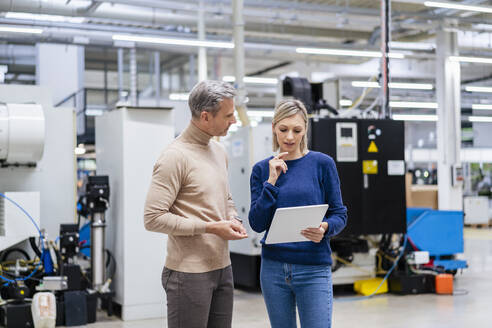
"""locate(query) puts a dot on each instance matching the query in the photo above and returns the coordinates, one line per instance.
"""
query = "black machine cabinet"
(370, 159)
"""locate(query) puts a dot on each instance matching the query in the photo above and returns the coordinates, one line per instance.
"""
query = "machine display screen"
(346, 132)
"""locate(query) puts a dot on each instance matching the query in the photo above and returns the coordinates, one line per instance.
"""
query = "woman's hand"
(315, 234)
(277, 166)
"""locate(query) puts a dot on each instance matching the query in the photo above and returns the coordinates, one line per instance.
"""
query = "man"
(189, 200)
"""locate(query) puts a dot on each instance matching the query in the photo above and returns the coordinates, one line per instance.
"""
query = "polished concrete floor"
(471, 308)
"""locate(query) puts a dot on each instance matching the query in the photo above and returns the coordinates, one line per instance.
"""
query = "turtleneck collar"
(192, 134)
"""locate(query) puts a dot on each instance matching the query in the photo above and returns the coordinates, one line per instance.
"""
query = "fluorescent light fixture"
(79, 151)
(404, 117)
(478, 89)
(176, 42)
(93, 112)
(412, 104)
(252, 79)
(345, 102)
(260, 113)
(414, 86)
(482, 106)
(365, 84)
(481, 60)
(43, 17)
(346, 52)
(393, 85)
(458, 6)
(480, 119)
(20, 30)
(412, 45)
(179, 96)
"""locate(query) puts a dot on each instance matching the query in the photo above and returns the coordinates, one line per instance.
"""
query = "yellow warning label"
(370, 167)
(372, 147)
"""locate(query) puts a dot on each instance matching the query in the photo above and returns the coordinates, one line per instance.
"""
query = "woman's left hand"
(315, 234)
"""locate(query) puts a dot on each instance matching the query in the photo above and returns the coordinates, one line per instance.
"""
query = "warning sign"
(372, 147)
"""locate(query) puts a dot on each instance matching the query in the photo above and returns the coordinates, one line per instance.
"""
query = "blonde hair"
(287, 108)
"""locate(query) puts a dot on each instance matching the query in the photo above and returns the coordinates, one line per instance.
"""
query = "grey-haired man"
(189, 200)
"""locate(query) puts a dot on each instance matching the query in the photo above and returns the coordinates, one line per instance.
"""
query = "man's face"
(219, 124)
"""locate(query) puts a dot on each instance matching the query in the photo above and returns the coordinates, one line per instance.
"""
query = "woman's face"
(289, 133)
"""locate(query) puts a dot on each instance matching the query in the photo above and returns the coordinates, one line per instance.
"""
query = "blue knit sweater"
(309, 180)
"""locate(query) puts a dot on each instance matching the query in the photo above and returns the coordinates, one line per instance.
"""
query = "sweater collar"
(192, 134)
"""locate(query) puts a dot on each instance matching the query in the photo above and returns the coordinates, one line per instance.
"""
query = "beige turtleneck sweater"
(189, 188)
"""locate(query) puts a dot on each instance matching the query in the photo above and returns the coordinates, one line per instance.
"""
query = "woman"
(296, 273)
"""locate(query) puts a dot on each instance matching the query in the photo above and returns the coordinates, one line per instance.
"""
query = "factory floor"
(470, 307)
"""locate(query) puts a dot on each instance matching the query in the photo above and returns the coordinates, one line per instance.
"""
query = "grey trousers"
(199, 300)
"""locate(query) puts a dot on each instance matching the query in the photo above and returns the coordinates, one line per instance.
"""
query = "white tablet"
(288, 222)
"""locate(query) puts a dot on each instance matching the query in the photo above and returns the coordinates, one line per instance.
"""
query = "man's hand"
(315, 234)
(227, 230)
(243, 229)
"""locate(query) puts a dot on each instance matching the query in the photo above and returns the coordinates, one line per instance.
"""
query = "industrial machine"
(37, 197)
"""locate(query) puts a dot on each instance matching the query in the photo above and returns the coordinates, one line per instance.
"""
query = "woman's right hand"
(277, 166)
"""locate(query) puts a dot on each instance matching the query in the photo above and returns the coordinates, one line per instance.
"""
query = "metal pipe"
(98, 255)
(192, 69)
(120, 74)
(202, 52)
(133, 77)
(239, 61)
(385, 39)
(157, 77)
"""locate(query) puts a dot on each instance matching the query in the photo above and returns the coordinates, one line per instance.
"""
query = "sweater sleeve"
(263, 201)
(336, 216)
(167, 178)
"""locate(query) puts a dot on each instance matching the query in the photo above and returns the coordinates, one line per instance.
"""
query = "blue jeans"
(286, 285)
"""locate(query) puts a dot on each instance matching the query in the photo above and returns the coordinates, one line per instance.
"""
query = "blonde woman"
(296, 274)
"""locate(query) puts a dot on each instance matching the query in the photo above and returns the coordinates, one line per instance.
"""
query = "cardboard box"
(420, 195)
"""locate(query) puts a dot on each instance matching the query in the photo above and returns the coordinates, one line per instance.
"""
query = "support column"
(61, 68)
(202, 52)
(448, 119)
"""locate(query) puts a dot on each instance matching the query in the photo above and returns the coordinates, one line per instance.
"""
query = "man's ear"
(204, 116)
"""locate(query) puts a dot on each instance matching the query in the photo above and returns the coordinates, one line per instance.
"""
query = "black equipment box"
(412, 284)
(370, 159)
(16, 315)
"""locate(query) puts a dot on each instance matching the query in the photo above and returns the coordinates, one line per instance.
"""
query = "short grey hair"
(287, 108)
(207, 95)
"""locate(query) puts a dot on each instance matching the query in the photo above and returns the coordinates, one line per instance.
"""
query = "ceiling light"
(482, 106)
(415, 86)
(43, 17)
(345, 102)
(458, 6)
(393, 85)
(20, 30)
(412, 45)
(479, 118)
(412, 104)
(177, 42)
(365, 84)
(260, 113)
(345, 52)
(471, 59)
(179, 96)
(252, 79)
(478, 89)
(404, 117)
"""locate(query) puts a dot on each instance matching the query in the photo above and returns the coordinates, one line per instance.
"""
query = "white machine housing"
(129, 141)
(22, 130)
(41, 134)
